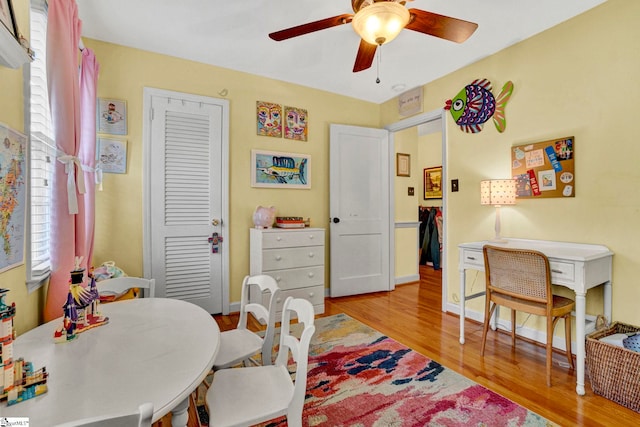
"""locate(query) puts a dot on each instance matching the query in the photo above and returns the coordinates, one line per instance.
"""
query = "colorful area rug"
(359, 377)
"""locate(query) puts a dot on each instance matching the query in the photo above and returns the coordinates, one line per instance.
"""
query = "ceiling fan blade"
(444, 27)
(311, 27)
(364, 58)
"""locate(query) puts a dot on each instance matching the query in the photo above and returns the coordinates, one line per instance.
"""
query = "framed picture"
(433, 183)
(8, 18)
(295, 123)
(269, 119)
(403, 164)
(273, 169)
(112, 155)
(112, 116)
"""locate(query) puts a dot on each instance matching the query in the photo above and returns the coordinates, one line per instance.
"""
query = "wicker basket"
(614, 371)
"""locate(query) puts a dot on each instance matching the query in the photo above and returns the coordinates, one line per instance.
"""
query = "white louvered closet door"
(186, 198)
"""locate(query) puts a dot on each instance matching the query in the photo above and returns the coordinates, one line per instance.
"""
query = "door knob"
(336, 220)
(216, 221)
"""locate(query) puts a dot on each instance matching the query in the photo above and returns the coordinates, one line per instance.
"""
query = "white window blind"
(42, 152)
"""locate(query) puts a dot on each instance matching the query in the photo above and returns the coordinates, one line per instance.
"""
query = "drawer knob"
(278, 238)
(278, 257)
(311, 254)
(278, 299)
(553, 270)
(278, 279)
(472, 258)
(311, 294)
(310, 236)
(311, 275)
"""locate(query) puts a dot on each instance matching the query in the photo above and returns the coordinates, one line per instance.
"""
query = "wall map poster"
(13, 196)
(544, 169)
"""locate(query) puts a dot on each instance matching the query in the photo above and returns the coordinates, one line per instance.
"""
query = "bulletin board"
(544, 169)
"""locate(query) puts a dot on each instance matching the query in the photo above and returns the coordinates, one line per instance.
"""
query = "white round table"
(154, 350)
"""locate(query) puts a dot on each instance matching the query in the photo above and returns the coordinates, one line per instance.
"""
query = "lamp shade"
(380, 22)
(498, 192)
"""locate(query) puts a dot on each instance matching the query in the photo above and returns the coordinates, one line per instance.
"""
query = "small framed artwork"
(433, 183)
(7, 17)
(273, 169)
(295, 123)
(112, 155)
(269, 119)
(112, 116)
(403, 164)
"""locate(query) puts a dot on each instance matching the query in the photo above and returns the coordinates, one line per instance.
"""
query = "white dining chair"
(140, 418)
(119, 285)
(240, 344)
(249, 395)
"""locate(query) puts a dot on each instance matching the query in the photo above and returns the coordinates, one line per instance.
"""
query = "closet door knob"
(336, 220)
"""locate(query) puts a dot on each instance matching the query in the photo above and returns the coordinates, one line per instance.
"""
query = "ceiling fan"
(379, 21)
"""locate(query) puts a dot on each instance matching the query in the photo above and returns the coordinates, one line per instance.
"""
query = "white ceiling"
(234, 34)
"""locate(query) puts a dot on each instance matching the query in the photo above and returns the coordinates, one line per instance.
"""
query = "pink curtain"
(72, 220)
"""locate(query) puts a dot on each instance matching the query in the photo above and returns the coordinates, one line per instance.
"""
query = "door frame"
(396, 127)
(148, 93)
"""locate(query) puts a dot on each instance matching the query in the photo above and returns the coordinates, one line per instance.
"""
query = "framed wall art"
(112, 155)
(273, 169)
(433, 183)
(403, 164)
(112, 116)
(269, 119)
(295, 123)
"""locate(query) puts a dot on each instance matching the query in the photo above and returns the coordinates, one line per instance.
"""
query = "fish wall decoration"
(475, 104)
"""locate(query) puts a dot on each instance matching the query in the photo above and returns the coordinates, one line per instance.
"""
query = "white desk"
(575, 265)
(154, 350)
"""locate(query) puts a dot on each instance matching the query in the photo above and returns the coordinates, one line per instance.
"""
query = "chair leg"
(488, 312)
(550, 324)
(567, 334)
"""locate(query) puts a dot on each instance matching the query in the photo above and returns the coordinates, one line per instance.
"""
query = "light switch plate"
(454, 185)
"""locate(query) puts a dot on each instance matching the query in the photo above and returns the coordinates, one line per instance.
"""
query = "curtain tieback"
(69, 163)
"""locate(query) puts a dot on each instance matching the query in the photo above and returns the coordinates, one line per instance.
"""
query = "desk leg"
(607, 301)
(463, 279)
(180, 414)
(580, 341)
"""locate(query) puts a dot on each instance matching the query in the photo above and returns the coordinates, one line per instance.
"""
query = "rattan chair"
(520, 279)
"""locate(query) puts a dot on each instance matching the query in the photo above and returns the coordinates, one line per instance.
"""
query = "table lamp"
(498, 192)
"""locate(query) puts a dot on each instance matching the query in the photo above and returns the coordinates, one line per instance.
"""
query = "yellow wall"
(579, 78)
(124, 72)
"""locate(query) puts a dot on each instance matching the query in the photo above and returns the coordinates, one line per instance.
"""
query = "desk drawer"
(562, 271)
(473, 257)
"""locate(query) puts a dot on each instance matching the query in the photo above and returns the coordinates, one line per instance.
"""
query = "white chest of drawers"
(295, 258)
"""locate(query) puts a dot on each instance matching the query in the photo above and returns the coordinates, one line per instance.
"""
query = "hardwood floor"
(411, 314)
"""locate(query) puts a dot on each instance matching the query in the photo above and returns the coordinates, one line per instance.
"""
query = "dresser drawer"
(286, 239)
(472, 257)
(299, 277)
(279, 259)
(562, 271)
(314, 294)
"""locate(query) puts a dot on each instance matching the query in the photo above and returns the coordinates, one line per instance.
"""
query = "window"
(42, 152)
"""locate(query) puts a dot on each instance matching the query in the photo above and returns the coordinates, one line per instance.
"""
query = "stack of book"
(289, 222)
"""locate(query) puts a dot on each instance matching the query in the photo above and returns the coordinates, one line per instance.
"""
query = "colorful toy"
(82, 309)
(475, 104)
(18, 380)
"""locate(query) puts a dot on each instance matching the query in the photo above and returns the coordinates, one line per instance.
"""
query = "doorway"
(433, 122)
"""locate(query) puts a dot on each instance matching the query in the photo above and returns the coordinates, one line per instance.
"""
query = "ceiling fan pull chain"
(378, 65)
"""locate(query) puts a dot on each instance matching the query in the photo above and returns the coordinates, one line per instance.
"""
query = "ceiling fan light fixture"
(380, 22)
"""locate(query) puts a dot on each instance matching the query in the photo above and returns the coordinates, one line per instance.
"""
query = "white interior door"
(359, 210)
(186, 201)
